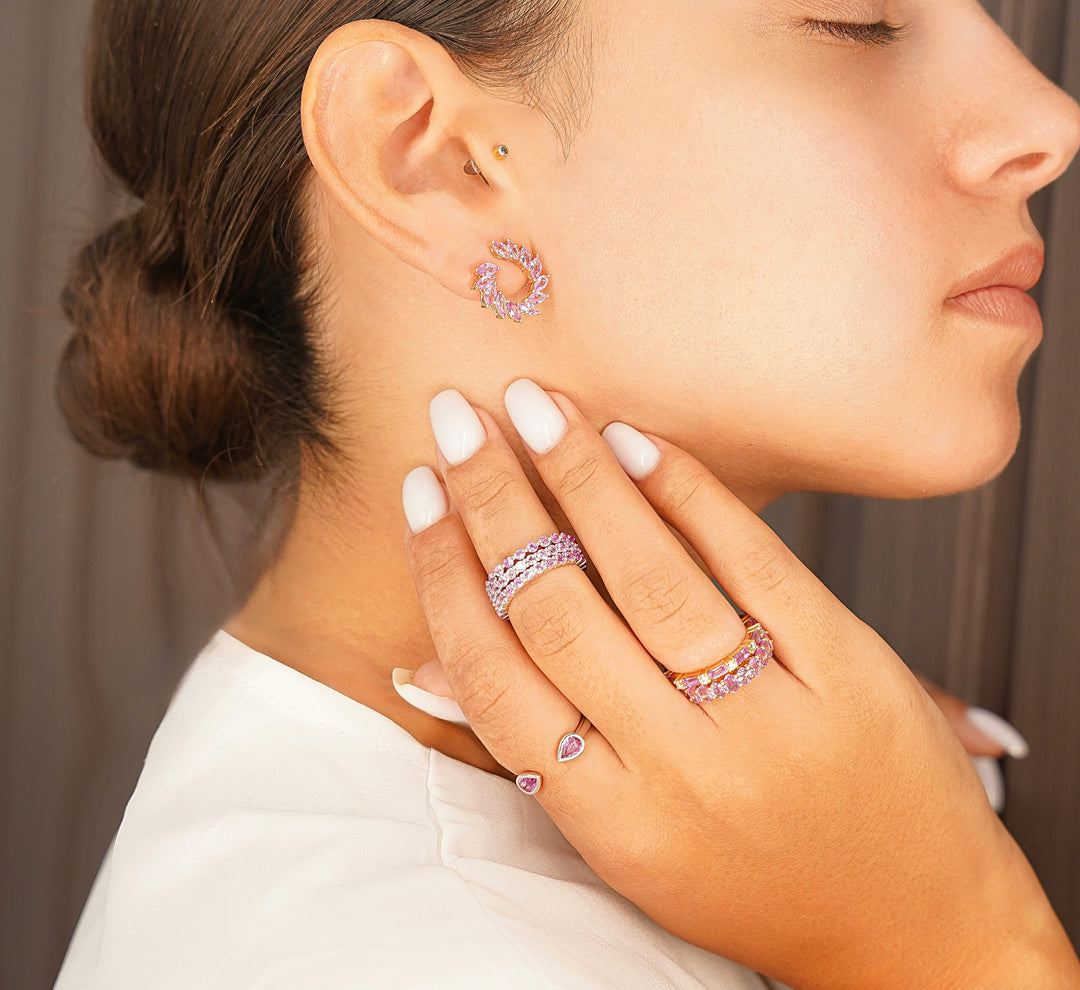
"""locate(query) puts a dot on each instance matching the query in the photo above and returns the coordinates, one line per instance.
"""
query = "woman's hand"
(823, 825)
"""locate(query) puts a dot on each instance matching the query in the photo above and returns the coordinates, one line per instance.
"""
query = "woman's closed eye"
(876, 35)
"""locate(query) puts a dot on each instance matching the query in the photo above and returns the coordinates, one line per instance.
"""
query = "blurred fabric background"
(111, 580)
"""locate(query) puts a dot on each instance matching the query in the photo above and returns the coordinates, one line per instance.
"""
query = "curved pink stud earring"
(492, 297)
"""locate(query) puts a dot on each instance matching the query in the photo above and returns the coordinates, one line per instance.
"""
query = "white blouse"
(283, 835)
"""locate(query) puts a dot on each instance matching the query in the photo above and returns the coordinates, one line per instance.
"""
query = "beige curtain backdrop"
(110, 582)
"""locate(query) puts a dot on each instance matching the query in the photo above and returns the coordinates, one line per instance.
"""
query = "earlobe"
(385, 118)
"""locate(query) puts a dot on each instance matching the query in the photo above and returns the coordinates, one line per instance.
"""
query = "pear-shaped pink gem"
(529, 783)
(571, 747)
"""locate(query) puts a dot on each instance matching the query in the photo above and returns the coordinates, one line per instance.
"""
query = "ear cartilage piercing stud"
(471, 169)
(492, 297)
(501, 151)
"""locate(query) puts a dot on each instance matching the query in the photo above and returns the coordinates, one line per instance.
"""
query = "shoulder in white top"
(281, 835)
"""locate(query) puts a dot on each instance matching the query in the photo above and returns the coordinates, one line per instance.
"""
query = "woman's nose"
(1012, 131)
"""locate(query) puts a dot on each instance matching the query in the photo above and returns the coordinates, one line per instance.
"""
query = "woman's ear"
(389, 122)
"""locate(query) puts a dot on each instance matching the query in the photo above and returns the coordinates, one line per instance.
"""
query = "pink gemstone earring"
(492, 297)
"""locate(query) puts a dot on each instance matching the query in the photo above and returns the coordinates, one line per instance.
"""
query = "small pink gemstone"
(756, 664)
(488, 297)
(571, 747)
(533, 547)
(502, 306)
(528, 309)
(715, 673)
(541, 283)
(529, 783)
(741, 657)
(546, 541)
(523, 256)
(514, 312)
(535, 268)
(730, 683)
(520, 554)
(487, 269)
(508, 562)
(537, 297)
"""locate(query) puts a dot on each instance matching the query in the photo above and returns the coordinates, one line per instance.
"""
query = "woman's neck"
(338, 604)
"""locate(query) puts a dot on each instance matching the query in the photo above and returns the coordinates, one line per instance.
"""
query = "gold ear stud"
(501, 151)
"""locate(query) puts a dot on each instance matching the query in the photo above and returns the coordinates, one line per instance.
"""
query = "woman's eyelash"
(880, 34)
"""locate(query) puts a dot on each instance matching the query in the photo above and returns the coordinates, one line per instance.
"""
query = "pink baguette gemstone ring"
(523, 565)
(736, 670)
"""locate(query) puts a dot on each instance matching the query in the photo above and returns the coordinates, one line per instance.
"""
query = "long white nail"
(536, 418)
(431, 704)
(996, 728)
(458, 430)
(635, 452)
(993, 782)
(423, 499)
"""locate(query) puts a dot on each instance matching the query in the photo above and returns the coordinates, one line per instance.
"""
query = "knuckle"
(658, 593)
(484, 496)
(684, 492)
(549, 621)
(766, 565)
(582, 477)
(492, 695)
(435, 567)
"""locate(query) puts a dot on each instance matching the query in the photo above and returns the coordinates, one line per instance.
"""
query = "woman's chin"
(961, 461)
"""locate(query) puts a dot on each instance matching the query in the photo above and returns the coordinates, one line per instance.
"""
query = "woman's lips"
(1002, 304)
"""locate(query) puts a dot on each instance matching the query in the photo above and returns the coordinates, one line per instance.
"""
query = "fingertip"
(993, 782)
(998, 731)
(637, 455)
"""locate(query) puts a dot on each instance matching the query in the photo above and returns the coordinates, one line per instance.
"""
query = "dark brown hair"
(192, 351)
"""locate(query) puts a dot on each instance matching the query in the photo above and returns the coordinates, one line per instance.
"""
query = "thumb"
(428, 690)
(431, 677)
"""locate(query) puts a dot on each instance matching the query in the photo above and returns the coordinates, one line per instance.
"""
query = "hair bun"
(154, 372)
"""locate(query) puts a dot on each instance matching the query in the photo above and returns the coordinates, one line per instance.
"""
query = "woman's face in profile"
(765, 220)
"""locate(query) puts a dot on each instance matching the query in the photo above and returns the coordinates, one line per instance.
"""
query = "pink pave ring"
(736, 670)
(530, 562)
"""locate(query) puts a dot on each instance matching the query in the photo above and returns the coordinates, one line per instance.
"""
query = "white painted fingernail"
(431, 704)
(993, 782)
(997, 729)
(423, 498)
(536, 418)
(635, 452)
(458, 430)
